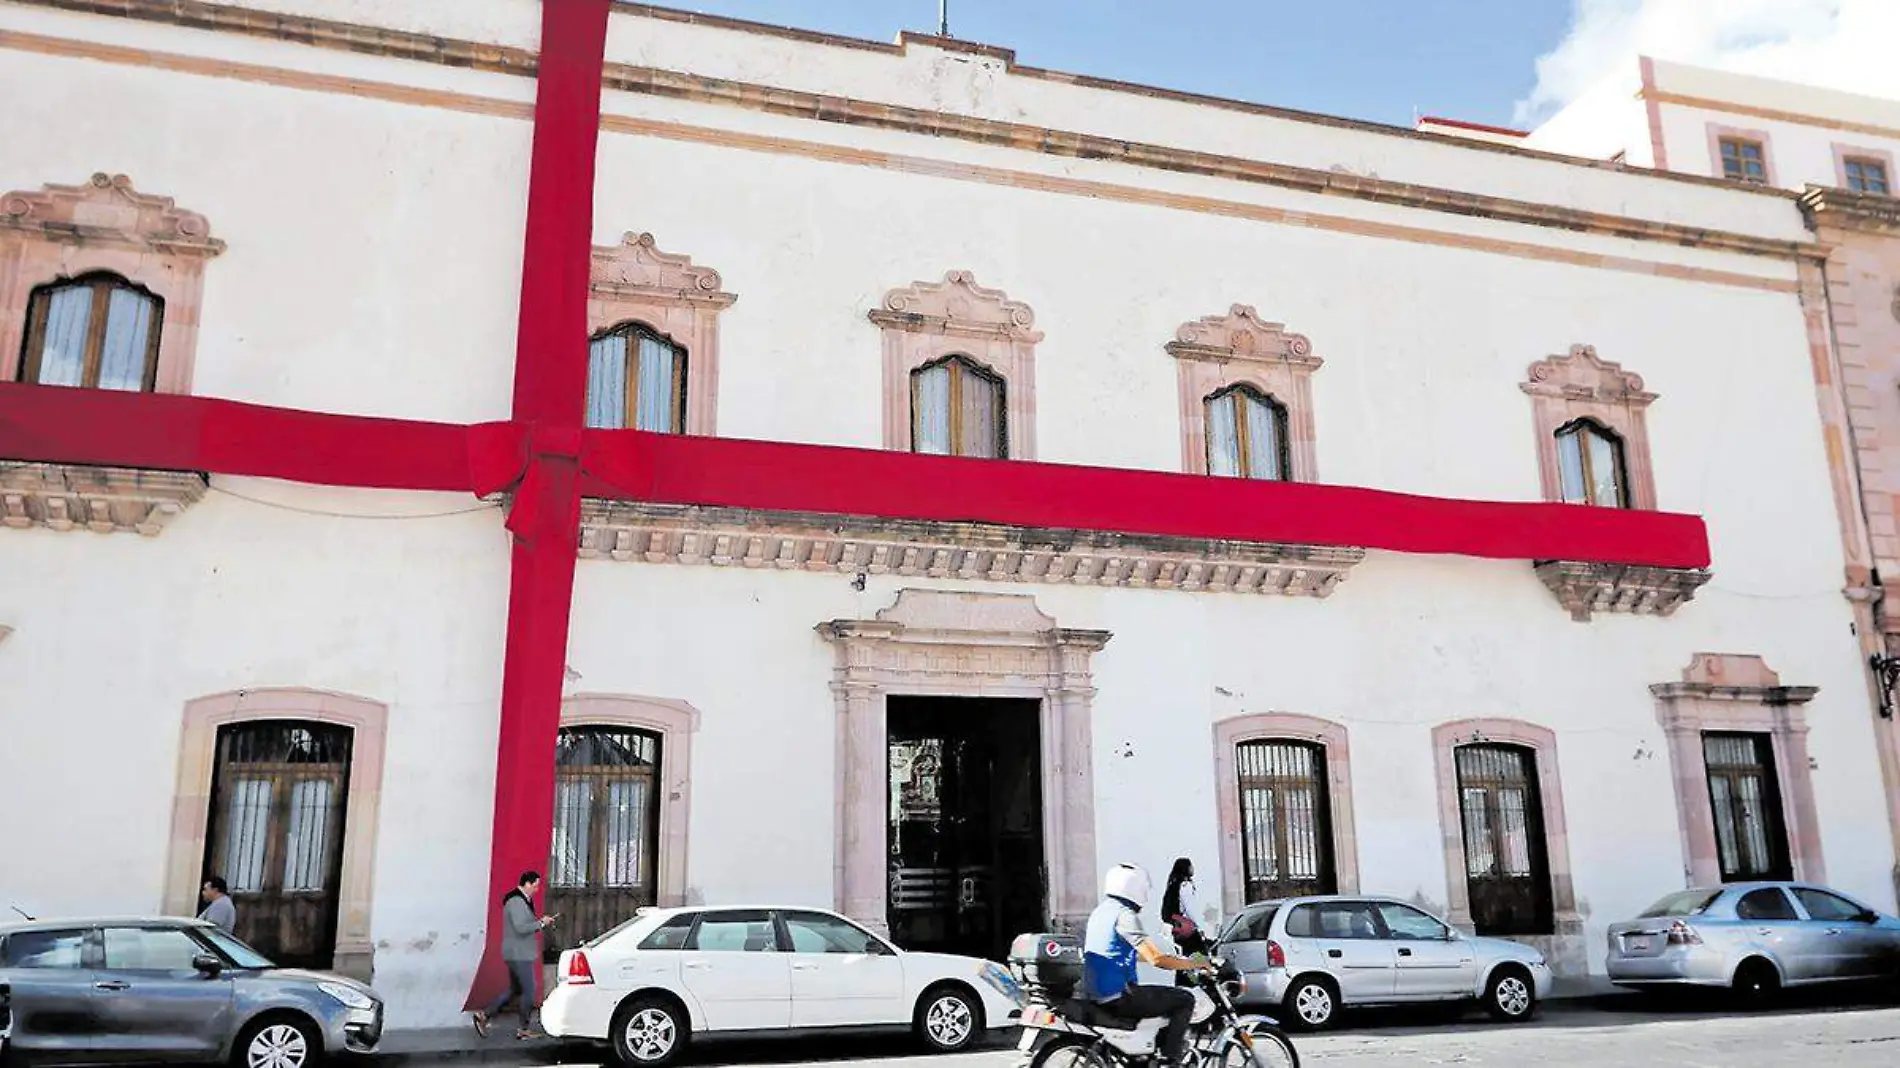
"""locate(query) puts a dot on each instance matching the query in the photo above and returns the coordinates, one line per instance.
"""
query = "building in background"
(947, 730)
(1833, 154)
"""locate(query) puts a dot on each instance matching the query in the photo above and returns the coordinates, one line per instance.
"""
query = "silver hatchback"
(1755, 938)
(1311, 956)
(171, 990)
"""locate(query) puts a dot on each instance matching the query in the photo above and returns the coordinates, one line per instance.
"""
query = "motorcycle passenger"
(1114, 943)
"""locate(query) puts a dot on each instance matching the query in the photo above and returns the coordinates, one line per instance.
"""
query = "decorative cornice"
(957, 307)
(1581, 375)
(851, 545)
(101, 499)
(349, 37)
(1584, 588)
(1761, 695)
(108, 211)
(1849, 210)
(1241, 335)
(636, 268)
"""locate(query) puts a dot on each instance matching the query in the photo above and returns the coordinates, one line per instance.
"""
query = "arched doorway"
(279, 803)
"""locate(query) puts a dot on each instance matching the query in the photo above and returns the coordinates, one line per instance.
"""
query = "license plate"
(1638, 943)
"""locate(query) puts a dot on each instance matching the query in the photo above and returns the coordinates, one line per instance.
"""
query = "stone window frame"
(1845, 152)
(1218, 352)
(1719, 133)
(368, 721)
(943, 643)
(1582, 385)
(926, 321)
(635, 282)
(675, 722)
(1334, 738)
(1740, 693)
(1542, 741)
(106, 227)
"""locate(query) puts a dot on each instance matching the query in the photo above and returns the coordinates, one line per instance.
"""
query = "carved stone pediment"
(854, 545)
(1585, 589)
(957, 305)
(636, 268)
(1242, 335)
(108, 211)
(1580, 375)
(102, 499)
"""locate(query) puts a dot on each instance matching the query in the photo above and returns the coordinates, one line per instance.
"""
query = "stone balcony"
(1586, 589)
(105, 500)
(855, 545)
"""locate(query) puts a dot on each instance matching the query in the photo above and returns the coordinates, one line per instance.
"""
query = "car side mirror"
(207, 965)
(1869, 916)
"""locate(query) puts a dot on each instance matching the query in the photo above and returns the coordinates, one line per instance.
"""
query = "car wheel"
(1757, 982)
(1510, 996)
(649, 1032)
(281, 1042)
(948, 1019)
(1312, 1004)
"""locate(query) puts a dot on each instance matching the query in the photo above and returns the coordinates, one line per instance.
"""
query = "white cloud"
(1840, 44)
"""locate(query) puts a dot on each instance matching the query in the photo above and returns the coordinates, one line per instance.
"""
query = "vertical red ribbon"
(550, 400)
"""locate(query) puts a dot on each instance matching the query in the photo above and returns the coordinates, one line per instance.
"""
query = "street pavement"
(1570, 1037)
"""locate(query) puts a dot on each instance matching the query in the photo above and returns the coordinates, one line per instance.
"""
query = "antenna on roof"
(943, 18)
(21, 911)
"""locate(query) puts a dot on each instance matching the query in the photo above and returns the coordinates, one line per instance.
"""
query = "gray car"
(172, 990)
(1312, 956)
(1755, 938)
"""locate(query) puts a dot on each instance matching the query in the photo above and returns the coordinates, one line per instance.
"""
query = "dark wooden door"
(966, 869)
(279, 800)
(1506, 870)
(1285, 818)
(1751, 838)
(604, 861)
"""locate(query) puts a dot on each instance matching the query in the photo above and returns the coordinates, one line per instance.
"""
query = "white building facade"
(921, 246)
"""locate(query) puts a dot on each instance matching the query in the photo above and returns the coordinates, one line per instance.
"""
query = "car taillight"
(1276, 957)
(579, 972)
(1681, 934)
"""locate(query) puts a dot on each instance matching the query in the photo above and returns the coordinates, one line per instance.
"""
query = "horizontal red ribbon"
(204, 434)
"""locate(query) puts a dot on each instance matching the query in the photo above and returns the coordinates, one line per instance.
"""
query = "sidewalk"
(435, 1045)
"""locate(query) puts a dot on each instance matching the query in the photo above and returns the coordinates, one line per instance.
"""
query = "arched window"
(96, 331)
(1590, 463)
(956, 409)
(636, 380)
(603, 864)
(1246, 435)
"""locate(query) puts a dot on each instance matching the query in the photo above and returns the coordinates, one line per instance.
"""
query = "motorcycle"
(1062, 1031)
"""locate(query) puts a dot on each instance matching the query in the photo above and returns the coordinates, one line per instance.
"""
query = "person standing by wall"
(218, 906)
(1180, 903)
(520, 951)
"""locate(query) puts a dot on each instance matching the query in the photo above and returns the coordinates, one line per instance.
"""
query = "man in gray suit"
(520, 951)
(218, 907)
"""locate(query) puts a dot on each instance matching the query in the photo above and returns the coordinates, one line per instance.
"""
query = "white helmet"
(1128, 882)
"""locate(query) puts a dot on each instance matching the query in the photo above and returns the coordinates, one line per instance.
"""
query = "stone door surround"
(935, 642)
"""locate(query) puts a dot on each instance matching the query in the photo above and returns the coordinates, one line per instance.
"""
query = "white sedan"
(650, 984)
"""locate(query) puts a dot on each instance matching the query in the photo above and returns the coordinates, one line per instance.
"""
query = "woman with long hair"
(1179, 904)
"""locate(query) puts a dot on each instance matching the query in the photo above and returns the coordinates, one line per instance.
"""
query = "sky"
(1505, 62)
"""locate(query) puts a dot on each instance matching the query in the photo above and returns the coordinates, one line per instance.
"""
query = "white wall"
(373, 267)
(1802, 153)
(1608, 118)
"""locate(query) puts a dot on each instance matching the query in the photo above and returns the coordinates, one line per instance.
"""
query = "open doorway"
(966, 862)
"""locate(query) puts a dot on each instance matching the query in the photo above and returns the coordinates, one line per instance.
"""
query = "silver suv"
(1314, 955)
(175, 990)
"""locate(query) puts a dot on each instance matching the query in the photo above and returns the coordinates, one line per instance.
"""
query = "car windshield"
(1250, 925)
(241, 955)
(1681, 903)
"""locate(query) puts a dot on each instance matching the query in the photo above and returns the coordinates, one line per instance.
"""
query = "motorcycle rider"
(1114, 942)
